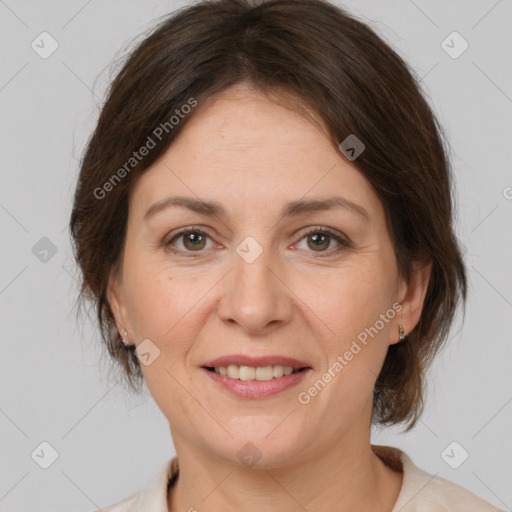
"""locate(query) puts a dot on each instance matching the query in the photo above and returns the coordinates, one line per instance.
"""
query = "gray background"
(55, 385)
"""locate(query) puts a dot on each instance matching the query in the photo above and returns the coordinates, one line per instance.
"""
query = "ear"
(412, 296)
(116, 301)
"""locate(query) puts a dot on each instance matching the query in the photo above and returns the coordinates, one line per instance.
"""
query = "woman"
(263, 220)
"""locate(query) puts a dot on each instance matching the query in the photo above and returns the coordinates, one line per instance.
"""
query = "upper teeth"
(251, 373)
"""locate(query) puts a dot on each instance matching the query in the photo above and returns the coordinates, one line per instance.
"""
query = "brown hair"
(334, 66)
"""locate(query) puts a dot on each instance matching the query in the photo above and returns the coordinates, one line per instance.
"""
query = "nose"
(256, 296)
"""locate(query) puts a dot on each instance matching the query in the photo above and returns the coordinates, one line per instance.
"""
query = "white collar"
(420, 490)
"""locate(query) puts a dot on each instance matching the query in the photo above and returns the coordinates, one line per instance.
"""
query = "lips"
(255, 389)
(249, 377)
(242, 360)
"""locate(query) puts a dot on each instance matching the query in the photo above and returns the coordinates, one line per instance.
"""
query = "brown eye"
(319, 241)
(193, 240)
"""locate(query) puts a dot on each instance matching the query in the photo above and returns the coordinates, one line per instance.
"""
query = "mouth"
(255, 378)
(258, 373)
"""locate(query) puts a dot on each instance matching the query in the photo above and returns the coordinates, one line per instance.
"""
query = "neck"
(344, 478)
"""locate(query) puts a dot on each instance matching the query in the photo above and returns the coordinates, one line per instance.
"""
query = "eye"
(320, 239)
(193, 240)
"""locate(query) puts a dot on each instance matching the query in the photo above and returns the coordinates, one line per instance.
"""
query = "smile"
(255, 382)
(261, 373)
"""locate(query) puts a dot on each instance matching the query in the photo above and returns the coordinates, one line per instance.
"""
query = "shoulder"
(151, 499)
(424, 492)
(436, 491)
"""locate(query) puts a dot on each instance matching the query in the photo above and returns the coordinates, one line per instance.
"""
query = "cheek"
(357, 336)
(354, 301)
(154, 296)
(164, 305)
(149, 302)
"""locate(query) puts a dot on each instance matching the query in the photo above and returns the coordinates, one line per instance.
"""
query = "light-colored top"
(420, 492)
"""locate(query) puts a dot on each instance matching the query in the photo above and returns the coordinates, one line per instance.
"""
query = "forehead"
(241, 119)
(241, 147)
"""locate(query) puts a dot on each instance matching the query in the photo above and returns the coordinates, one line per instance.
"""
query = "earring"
(401, 333)
(123, 339)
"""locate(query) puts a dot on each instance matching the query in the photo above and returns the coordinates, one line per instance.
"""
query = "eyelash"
(343, 243)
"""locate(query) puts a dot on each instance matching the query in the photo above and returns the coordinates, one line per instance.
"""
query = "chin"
(264, 451)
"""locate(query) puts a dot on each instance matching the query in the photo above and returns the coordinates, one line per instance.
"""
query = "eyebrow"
(294, 208)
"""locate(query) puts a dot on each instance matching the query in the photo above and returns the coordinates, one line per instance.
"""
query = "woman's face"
(260, 285)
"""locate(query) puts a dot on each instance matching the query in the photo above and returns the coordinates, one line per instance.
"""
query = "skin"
(253, 156)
